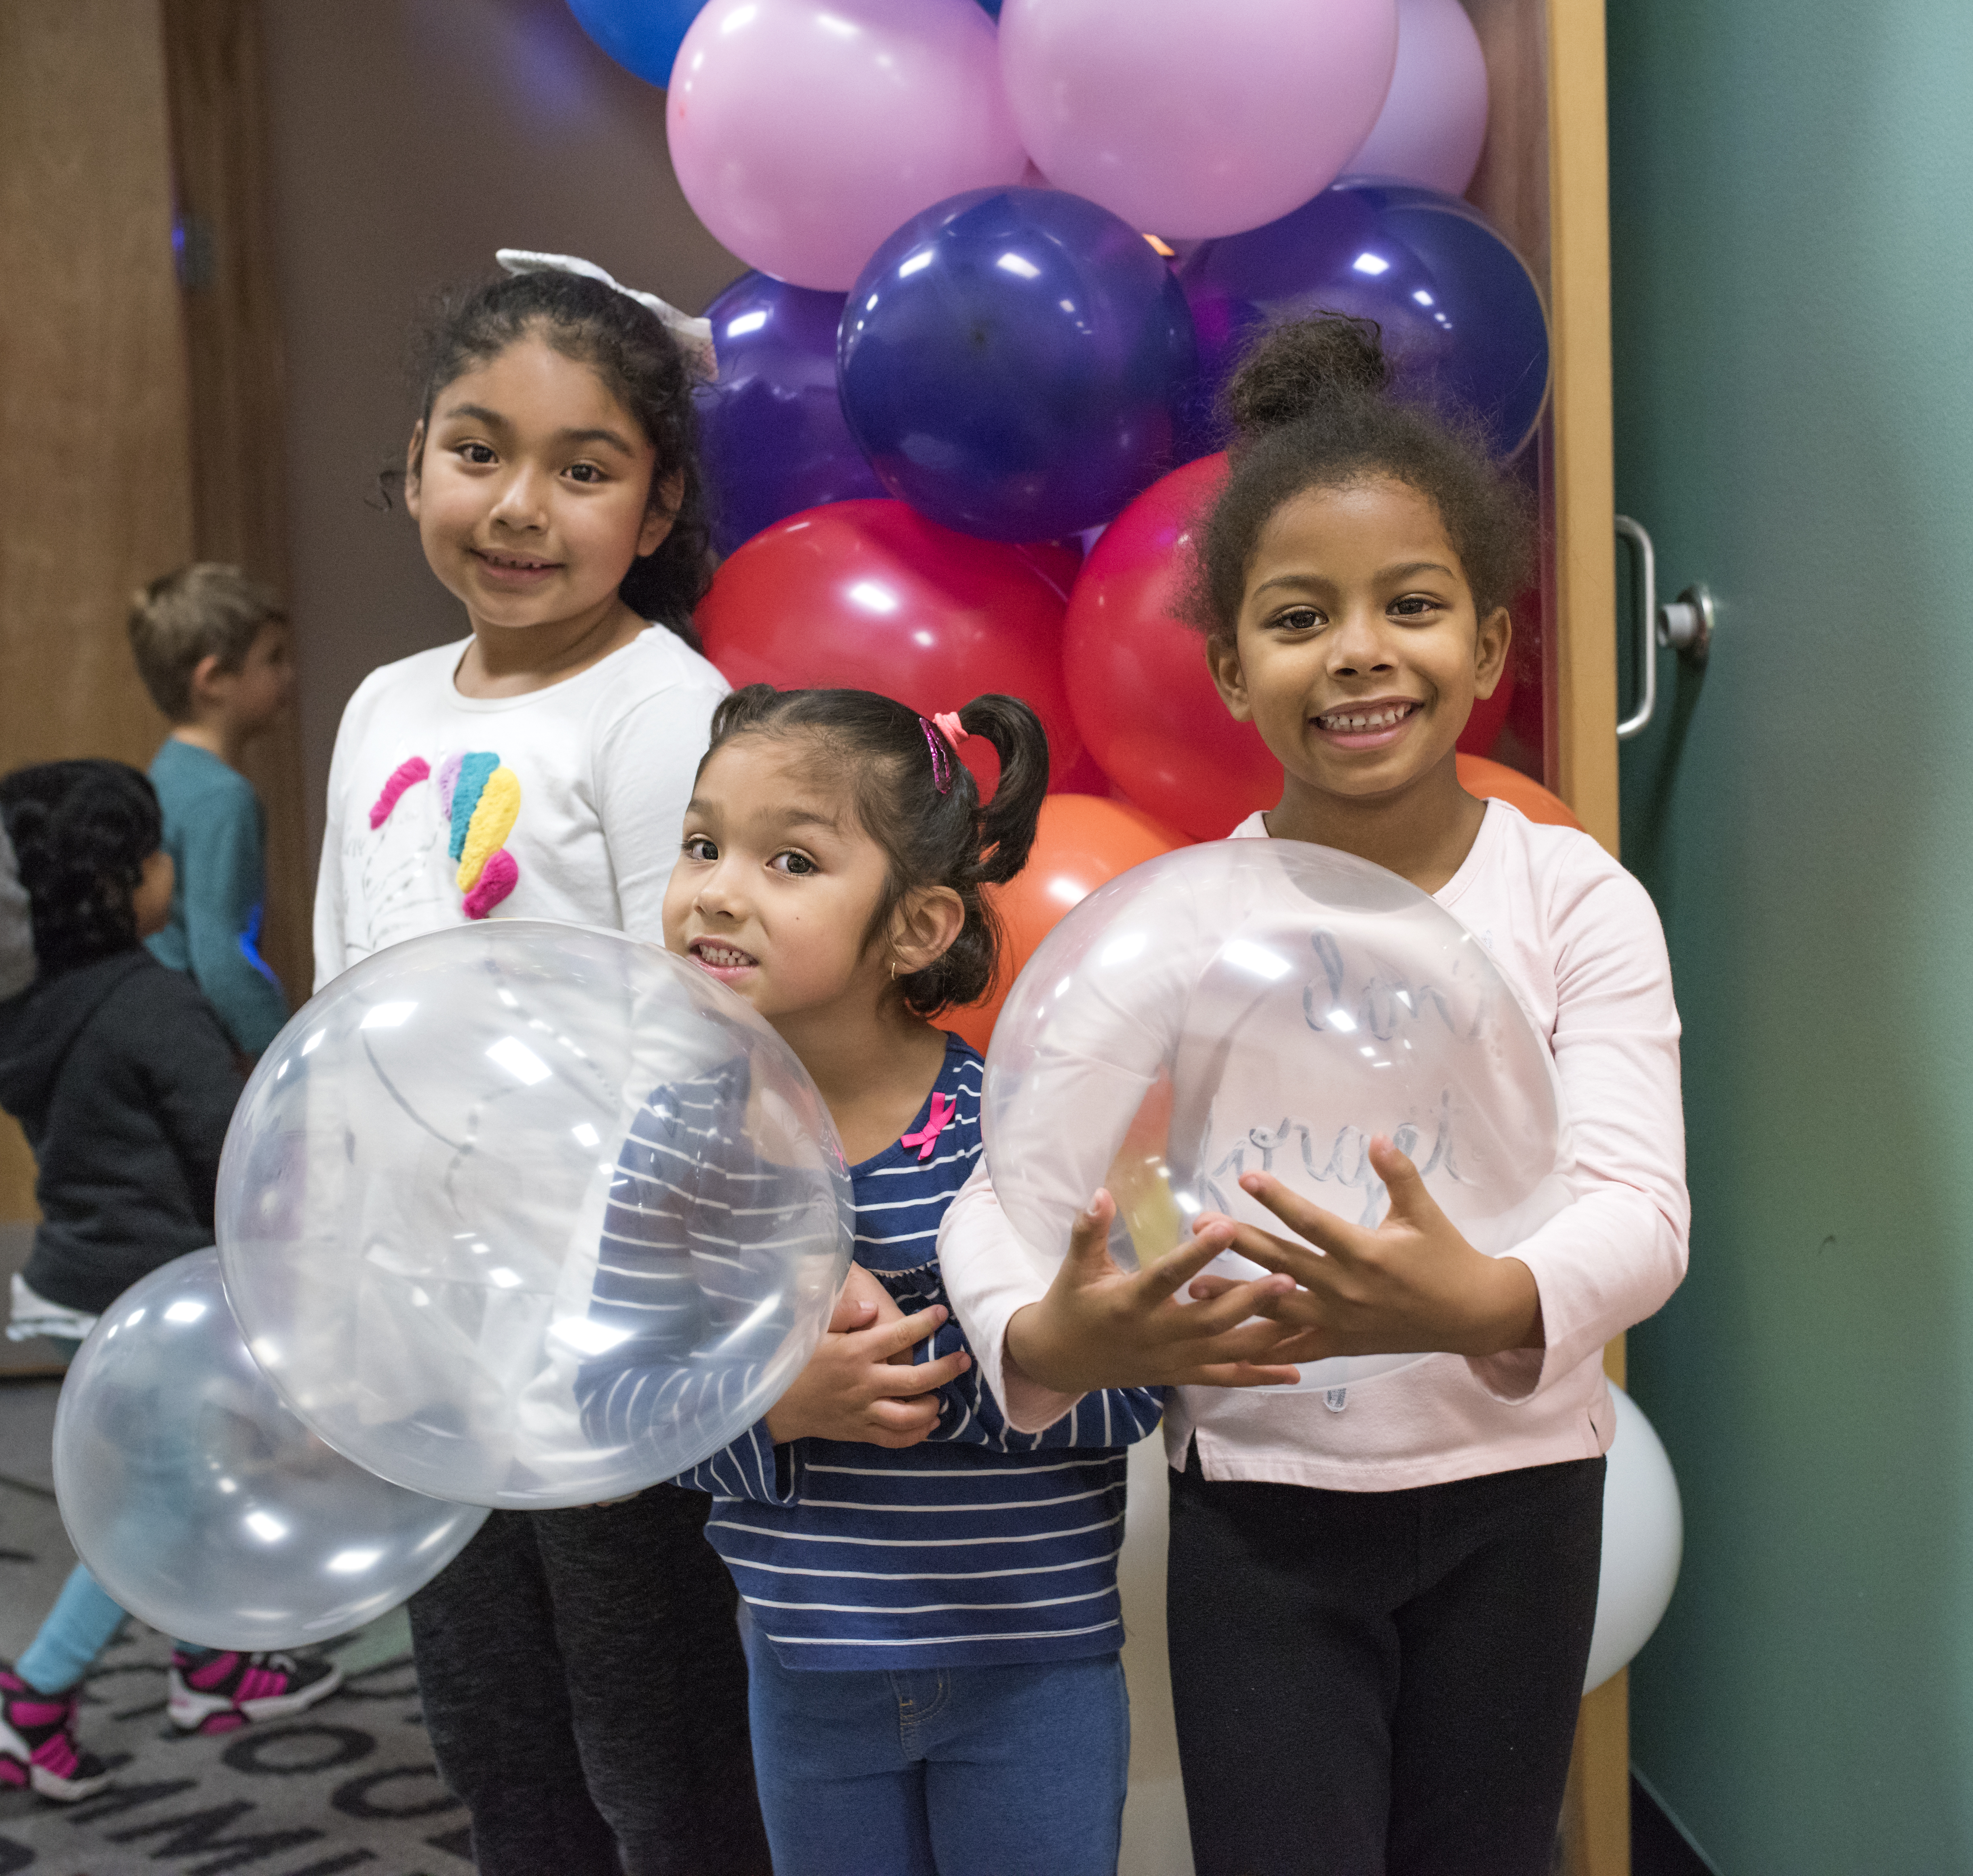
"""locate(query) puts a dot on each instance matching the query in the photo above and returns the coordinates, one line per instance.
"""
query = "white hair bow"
(695, 335)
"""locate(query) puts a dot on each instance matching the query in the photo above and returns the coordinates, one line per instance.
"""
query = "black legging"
(1381, 1683)
(585, 1692)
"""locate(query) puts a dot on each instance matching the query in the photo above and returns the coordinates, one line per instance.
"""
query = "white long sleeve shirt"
(1580, 940)
(581, 787)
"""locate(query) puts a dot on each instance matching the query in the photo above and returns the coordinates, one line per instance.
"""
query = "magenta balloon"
(1434, 121)
(1192, 120)
(804, 131)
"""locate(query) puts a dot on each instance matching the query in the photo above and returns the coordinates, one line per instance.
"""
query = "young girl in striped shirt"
(934, 1684)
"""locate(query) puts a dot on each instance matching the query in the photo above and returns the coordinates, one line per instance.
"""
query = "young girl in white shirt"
(1379, 1616)
(579, 1673)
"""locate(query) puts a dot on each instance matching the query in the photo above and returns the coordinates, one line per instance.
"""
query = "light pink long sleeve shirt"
(1580, 940)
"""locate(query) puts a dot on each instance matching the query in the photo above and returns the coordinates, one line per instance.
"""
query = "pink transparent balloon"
(1191, 120)
(803, 132)
(1433, 121)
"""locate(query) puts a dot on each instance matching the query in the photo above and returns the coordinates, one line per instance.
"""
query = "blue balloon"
(643, 36)
(773, 430)
(1462, 316)
(1014, 362)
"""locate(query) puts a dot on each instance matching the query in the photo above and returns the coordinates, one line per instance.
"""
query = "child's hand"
(852, 1390)
(865, 1304)
(1412, 1285)
(1099, 1327)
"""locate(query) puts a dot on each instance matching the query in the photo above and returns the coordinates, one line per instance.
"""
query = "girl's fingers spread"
(1409, 1198)
(1089, 1239)
(1205, 1288)
(1228, 1309)
(1323, 1230)
(1308, 1267)
(1178, 1266)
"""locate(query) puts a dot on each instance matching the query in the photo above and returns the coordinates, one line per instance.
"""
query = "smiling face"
(777, 883)
(532, 488)
(1358, 652)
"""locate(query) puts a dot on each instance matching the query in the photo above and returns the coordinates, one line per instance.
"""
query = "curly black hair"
(1310, 408)
(884, 751)
(647, 369)
(82, 831)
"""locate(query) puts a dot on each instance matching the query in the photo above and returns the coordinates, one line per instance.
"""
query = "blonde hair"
(205, 611)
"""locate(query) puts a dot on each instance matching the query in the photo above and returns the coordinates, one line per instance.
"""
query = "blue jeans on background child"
(1011, 1771)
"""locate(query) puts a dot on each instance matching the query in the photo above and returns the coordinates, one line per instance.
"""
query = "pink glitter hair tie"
(943, 729)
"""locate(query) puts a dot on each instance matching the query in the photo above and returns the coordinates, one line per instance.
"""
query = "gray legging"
(585, 1692)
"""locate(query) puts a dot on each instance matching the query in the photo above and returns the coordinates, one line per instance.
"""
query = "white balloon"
(1433, 126)
(1266, 1006)
(203, 1505)
(1644, 1538)
(525, 1215)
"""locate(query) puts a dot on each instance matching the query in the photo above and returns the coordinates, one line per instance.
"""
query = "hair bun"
(1296, 369)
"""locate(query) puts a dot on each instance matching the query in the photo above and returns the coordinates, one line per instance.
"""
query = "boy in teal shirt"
(212, 647)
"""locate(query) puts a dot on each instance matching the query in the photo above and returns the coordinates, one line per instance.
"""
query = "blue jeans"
(1015, 1771)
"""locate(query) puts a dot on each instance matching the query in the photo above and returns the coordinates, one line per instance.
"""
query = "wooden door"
(142, 425)
(1544, 182)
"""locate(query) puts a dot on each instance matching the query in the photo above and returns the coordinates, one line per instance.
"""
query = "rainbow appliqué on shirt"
(480, 798)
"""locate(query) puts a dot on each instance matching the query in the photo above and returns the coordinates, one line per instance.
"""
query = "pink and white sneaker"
(37, 1745)
(215, 1693)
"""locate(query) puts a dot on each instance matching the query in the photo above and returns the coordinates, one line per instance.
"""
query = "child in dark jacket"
(123, 1078)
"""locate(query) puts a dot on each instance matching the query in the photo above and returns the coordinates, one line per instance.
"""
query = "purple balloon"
(775, 438)
(1014, 362)
(1462, 316)
(802, 131)
(1194, 118)
(1434, 123)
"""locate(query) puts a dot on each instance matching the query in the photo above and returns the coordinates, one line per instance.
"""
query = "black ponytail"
(1310, 408)
(893, 761)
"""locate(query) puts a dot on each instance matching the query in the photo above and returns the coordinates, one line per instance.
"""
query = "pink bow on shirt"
(926, 1136)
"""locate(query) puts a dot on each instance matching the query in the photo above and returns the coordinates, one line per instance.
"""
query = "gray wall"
(1793, 257)
(411, 138)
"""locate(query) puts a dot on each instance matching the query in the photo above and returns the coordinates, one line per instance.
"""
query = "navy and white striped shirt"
(979, 1546)
(703, 1244)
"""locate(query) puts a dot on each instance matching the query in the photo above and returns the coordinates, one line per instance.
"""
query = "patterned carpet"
(347, 1786)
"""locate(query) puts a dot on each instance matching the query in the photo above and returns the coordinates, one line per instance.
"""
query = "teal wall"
(1792, 222)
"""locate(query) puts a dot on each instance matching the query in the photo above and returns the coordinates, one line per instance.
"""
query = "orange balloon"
(1495, 780)
(1082, 841)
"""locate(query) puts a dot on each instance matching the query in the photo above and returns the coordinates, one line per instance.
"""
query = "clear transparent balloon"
(1266, 1006)
(526, 1215)
(202, 1504)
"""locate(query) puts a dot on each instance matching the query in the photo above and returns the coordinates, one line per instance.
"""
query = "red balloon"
(1081, 842)
(1490, 715)
(1136, 672)
(869, 595)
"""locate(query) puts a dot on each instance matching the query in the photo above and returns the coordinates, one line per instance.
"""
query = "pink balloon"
(804, 131)
(1191, 118)
(1434, 121)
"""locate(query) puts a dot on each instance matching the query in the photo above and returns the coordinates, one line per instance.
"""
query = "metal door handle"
(1685, 624)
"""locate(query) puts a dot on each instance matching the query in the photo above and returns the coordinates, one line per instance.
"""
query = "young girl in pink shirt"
(1380, 1603)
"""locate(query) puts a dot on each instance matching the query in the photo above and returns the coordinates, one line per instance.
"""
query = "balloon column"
(964, 219)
